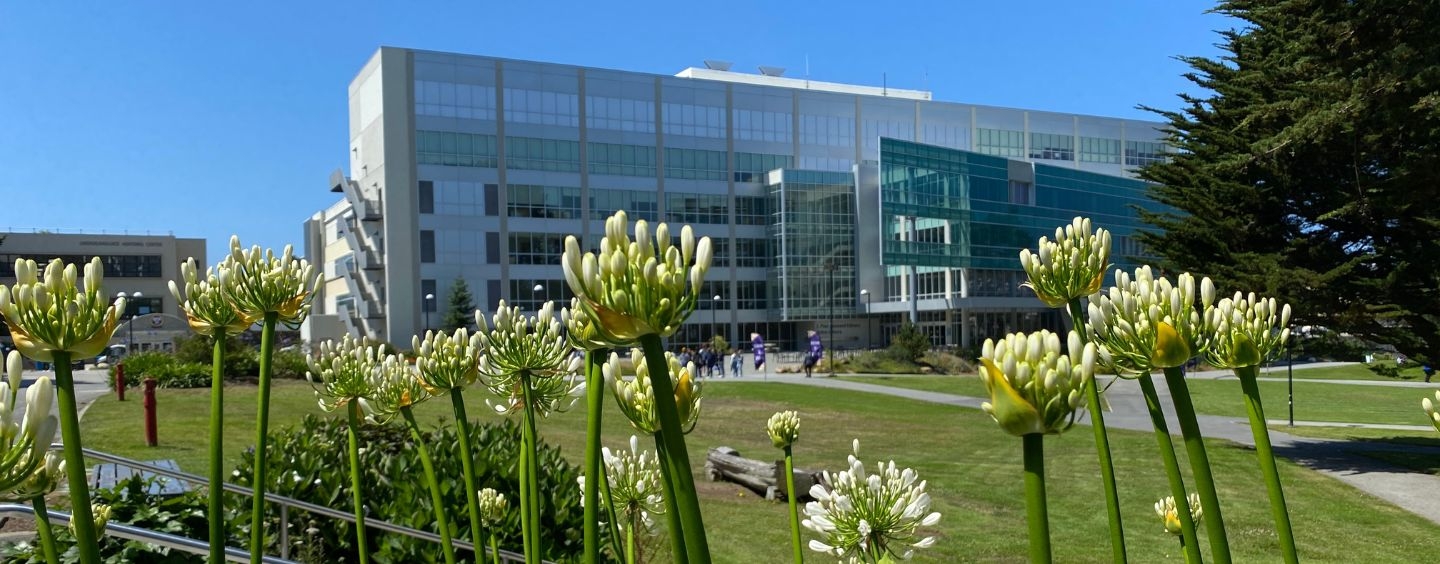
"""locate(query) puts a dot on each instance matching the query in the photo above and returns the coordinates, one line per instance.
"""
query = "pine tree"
(460, 311)
(1308, 172)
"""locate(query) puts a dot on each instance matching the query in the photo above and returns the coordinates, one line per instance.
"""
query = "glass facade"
(813, 224)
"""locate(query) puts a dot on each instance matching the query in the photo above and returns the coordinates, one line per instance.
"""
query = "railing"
(286, 504)
(127, 532)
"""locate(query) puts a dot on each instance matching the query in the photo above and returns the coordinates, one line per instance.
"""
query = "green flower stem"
(1037, 514)
(436, 499)
(217, 448)
(262, 429)
(532, 474)
(47, 535)
(494, 549)
(1172, 470)
(594, 406)
(1187, 554)
(522, 472)
(1199, 464)
(792, 497)
(1102, 446)
(630, 540)
(675, 455)
(610, 509)
(357, 496)
(1261, 432)
(674, 525)
(467, 462)
(87, 543)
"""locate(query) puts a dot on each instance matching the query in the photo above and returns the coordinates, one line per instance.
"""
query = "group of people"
(710, 362)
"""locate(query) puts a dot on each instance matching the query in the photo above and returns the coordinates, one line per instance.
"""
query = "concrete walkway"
(89, 385)
(1338, 459)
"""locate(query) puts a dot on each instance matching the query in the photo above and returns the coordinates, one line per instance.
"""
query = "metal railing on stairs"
(147, 536)
(286, 505)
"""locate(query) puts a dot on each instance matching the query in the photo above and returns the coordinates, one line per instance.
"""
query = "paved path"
(1338, 459)
(89, 385)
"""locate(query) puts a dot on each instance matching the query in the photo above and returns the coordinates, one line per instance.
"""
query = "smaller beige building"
(133, 263)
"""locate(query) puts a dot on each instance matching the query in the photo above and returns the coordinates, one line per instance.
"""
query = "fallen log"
(763, 478)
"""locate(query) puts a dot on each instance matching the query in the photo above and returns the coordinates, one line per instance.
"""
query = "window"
(458, 246)
(697, 208)
(638, 204)
(143, 306)
(750, 294)
(455, 149)
(622, 160)
(1052, 146)
(541, 107)
(1022, 193)
(1141, 153)
(759, 125)
(552, 155)
(1099, 150)
(116, 266)
(720, 251)
(1000, 142)
(427, 245)
(619, 114)
(549, 202)
(453, 197)
(751, 167)
(693, 120)
(753, 253)
(695, 164)
(750, 210)
(536, 248)
(427, 196)
(831, 131)
(448, 99)
(524, 295)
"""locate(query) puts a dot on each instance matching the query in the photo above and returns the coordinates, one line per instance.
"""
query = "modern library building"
(840, 208)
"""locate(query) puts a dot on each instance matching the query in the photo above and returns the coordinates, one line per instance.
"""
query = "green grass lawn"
(960, 385)
(1315, 402)
(973, 470)
(1348, 372)
(1427, 437)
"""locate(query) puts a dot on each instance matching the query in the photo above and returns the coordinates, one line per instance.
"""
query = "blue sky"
(207, 119)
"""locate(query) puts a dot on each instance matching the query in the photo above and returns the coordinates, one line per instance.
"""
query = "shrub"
(309, 466)
(909, 343)
(130, 503)
(288, 364)
(241, 359)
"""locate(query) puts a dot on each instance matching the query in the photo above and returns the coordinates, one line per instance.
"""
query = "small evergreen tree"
(909, 343)
(460, 311)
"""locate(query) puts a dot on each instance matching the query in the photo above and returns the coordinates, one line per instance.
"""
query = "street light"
(130, 344)
(714, 305)
(830, 350)
(868, 343)
(540, 289)
(429, 305)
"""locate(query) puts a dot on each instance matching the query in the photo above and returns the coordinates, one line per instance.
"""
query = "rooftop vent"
(772, 71)
(713, 64)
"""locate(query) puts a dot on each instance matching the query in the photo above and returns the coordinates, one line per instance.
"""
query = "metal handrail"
(130, 532)
(288, 502)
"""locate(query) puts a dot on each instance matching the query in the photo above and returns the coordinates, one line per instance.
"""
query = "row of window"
(116, 266)
(558, 155)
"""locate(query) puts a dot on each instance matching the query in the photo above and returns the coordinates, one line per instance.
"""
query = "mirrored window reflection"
(620, 114)
(448, 99)
(1099, 150)
(1141, 153)
(693, 120)
(1052, 146)
(1000, 142)
(542, 107)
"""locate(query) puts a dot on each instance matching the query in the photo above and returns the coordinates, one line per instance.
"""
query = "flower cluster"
(784, 428)
(27, 468)
(518, 350)
(1145, 323)
(492, 507)
(101, 513)
(1245, 330)
(580, 329)
(1430, 410)
(53, 314)
(258, 282)
(204, 301)
(1034, 386)
(633, 288)
(868, 517)
(446, 362)
(636, 396)
(395, 386)
(1165, 508)
(1070, 267)
(343, 372)
(635, 487)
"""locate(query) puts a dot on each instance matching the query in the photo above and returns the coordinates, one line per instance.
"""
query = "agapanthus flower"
(516, 349)
(343, 372)
(1169, 515)
(395, 386)
(581, 330)
(1245, 330)
(642, 287)
(1070, 267)
(784, 428)
(204, 302)
(53, 314)
(258, 282)
(1034, 386)
(1430, 412)
(636, 396)
(101, 513)
(27, 468)
(867, 517)
(1146, 323)
(447, 361)
(635, 487)
(492, 507)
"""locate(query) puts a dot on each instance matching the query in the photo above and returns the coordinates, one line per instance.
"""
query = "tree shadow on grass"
(1386, 454)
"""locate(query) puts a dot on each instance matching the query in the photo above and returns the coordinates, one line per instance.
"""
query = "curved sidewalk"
(1337, 459)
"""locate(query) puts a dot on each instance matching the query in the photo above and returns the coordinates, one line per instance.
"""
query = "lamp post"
(830, 350)
(868, 343)
(540, 289)
(714, 305)
(429, 305)
(130, 342)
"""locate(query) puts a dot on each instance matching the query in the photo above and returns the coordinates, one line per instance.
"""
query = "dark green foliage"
(309, 465)
(182, 515)
(165, 369)
(1308, 170)
(460, 307)
(908, 344)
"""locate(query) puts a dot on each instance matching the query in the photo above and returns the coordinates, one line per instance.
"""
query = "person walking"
(812, 356)
(735, 366)
(757, 347)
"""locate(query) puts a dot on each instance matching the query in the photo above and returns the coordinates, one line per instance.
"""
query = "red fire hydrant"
(120, 381)
(151, 433)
